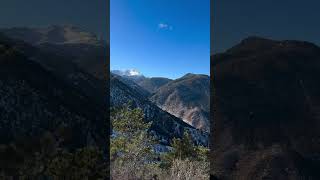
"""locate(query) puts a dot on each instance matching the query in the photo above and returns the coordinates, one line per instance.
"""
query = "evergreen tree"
(184, 149)
(131, 147)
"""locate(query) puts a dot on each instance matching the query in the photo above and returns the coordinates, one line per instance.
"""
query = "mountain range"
(67, 87)
(265, 102)
(266, 110)
(43, 90)
(186, 98)
(165, 125)
(73, 43)
(55, 34)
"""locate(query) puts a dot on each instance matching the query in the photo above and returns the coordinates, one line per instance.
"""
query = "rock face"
(164, 125)
(266, 105)
(35, 98)
(187, 98)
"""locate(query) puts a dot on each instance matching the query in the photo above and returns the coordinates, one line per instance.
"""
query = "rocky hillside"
(164, 125)
(34, 98)
(266, 105)
(187, 98)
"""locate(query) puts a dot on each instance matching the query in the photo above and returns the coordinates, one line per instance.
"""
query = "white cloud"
(165, 26)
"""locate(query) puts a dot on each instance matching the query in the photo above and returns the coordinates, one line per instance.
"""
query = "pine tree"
(184, 149)
(131, 150)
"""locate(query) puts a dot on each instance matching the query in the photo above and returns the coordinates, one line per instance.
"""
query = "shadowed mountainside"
(35, 100)
(266, 110)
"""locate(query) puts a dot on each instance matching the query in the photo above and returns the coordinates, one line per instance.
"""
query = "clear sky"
(160, 38)
(234, 20)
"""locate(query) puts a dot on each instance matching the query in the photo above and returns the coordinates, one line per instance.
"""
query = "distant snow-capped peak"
(129, 72)
(133, 72)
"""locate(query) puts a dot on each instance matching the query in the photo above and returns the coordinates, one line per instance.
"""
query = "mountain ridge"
(68, 46)
(54, 34)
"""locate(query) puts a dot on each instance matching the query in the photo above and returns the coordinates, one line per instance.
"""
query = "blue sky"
(160, 38)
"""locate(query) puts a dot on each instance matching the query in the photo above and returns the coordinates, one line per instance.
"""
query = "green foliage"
(43, 158)
(203, 153)
(184, 149)
(131, 148)
(85, 163)
(129, 122)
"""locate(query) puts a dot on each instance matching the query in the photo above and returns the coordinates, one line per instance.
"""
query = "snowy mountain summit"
(129, 72)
